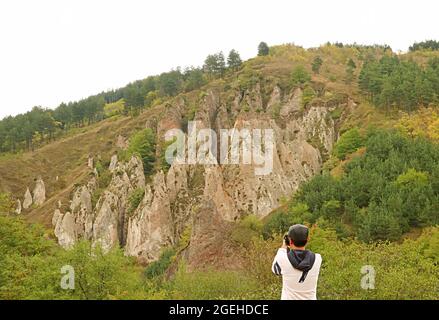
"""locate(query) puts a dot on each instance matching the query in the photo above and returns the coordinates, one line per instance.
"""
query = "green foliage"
(114, 108)
(308, 95)
(425, 45)
(405, 85)
(215, 65)
(30, 267)
(383, 192)
(350, 67)
(263, 49)
(316, 64)
(412, 179)
(336, 113)
(280, 221)
(170, 83)
(349, 142)
(163, 163)
(396, 265)
(104, 179)
(6, 203)
(135, 198)
(143, 144)
(100, 275)
(299, 76)
(397, 268)
(211, 285)
(276, 111)
(246, 229)
(194, 79)
(159, 267)
(234, 60)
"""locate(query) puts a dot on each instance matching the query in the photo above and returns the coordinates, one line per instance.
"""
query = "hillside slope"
(267, 92)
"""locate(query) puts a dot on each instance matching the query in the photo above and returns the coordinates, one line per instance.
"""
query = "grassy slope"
(67, 157)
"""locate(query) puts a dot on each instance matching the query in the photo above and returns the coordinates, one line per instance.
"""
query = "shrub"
(143, 144)
(279, 222)
(349, 142)
(397, 267)
(299, 76)
(6, 203)
(308, 95)
(159, 267)
(211, 285)
(246, 229)
(30, 267)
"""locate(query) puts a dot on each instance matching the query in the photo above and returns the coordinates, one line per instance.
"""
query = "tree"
(316, 64)
(215, 65)
(169, 83)
(350, 141)
(234, 60)
(193, 79)
(425, 45)
(263, 49)
(299, 76)
(143, 144)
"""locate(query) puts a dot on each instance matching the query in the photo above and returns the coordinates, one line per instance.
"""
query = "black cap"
(299, 234)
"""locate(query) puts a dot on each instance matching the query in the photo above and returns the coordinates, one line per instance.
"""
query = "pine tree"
(234, 60)
(263, 49)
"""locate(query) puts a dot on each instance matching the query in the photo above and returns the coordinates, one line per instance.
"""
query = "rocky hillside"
(70, 197)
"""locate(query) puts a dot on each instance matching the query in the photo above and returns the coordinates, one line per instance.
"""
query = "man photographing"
(298, 267)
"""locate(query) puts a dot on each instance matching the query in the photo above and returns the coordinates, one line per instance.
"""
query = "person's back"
(298, 267)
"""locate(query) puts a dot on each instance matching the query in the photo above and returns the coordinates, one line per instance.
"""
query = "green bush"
(30, 267)
(143, 144)
(6, 203)
(308, 95)
(246, 229)
(397, 267)
(349, 142)
(211, 285)
(299, 76)
(381, 194)
(159, 267)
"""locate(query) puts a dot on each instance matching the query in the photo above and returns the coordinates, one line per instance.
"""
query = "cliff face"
(204, 197)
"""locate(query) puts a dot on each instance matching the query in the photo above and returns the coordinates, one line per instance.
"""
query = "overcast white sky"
(61, 50)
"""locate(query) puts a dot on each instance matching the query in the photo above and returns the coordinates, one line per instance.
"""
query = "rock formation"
(90, 162)
(27, 202)
(39, 192)
(204, 197)
(18, 209)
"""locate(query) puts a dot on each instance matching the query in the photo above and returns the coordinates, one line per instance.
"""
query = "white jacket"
(291, 288)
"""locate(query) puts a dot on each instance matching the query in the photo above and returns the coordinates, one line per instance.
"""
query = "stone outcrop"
(18, 209)
(39, 192)
(90, 162)
(65, 228)
(293, 104)
(205, 198)
(106, 222)
(27, 202)
(113, 162)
